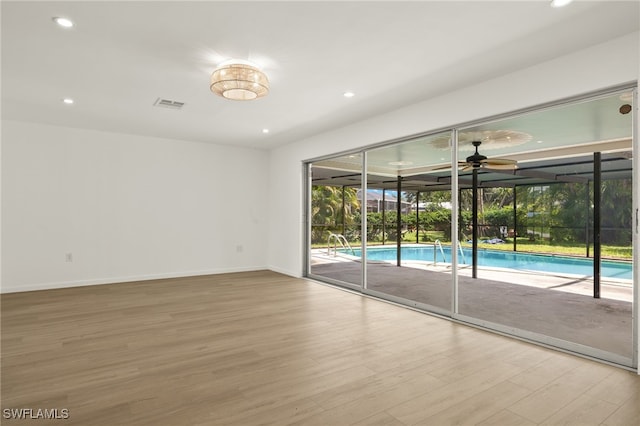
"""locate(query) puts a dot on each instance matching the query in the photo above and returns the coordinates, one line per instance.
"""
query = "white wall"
(126, 207)
(599, 67)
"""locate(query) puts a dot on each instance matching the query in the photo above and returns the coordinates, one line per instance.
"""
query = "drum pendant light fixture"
(239, 80)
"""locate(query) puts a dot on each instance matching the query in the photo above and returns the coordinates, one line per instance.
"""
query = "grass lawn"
(612, 252)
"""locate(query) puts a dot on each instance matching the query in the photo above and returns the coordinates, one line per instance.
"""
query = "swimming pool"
(505, 259)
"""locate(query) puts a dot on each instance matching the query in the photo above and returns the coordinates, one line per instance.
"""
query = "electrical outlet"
(68, 257)
(239, 249)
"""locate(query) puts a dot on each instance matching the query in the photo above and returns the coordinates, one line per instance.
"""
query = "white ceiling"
(121, 56)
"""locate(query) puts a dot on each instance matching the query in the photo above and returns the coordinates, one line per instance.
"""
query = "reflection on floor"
(552, 305)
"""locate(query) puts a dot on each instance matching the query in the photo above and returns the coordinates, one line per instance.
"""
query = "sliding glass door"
(546, 208)
(409, 222)
(335, 220)
(522, 224)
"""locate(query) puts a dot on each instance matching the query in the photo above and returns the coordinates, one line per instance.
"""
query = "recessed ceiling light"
(63, 22)
(265, 131)
(401, 163)
(349, 94)
(560, 3)
(539, 142)
(67, 101)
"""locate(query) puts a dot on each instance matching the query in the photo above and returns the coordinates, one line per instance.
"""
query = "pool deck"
(555, 305)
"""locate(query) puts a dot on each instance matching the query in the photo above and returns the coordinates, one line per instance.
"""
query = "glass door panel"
(409, 222)
(335, 220)
(545, 217)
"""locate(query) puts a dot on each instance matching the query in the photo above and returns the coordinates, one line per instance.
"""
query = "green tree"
(569, 212)
(616, 212)
(331, 207)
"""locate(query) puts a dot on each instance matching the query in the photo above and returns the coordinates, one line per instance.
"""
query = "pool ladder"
(437, 244)
(338, 239)
(464, 260)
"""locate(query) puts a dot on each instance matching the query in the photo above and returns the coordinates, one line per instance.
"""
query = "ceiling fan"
(478, 161)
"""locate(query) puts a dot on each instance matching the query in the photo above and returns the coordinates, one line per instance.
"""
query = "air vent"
(167, 103)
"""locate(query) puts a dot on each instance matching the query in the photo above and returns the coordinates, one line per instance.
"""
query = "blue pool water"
(504, 259)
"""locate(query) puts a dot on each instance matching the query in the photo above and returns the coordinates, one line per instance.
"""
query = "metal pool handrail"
(437, 243)
(338, 238)
(464, 260)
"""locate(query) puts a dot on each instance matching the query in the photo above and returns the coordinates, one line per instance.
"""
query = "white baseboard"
(114, 280)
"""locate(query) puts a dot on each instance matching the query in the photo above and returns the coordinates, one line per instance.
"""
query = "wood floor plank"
(628, 412)
(379, 419)
(479, 407)
(453, 394)
(583, 411)
(506, 417)
(263, 348)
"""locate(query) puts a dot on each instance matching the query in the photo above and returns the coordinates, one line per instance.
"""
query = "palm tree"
(332, 208)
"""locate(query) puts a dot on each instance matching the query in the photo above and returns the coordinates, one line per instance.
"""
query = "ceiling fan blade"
(490, 165)
(463, 165)
(499, 161)
(498, 164)
(445, 167)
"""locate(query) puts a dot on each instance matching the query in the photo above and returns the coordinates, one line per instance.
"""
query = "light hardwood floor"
(264, 348)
